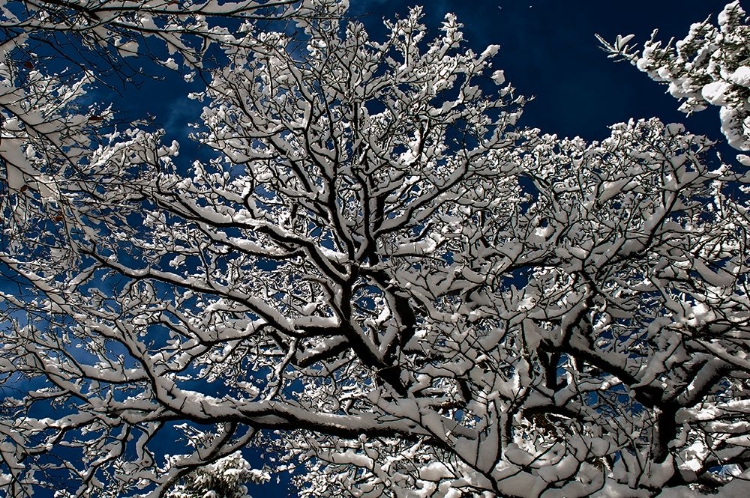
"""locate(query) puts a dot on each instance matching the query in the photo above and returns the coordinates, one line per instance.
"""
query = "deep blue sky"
(548, 50)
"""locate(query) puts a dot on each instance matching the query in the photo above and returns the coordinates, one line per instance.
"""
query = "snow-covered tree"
(226, 478)
(52, 52)
(710, 66)
(379, 275)
(100, 35)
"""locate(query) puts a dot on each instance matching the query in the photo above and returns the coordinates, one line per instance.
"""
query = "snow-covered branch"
(711, 66)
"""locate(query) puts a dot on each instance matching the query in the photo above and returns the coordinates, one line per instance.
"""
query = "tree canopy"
(377, 273)
(707, 67)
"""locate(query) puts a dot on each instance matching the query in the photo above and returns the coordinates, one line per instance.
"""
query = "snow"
(515, 482)
(128, 49)
(737, 488)
(435, 471)
(517, 456)
(741, 76)
(735, 128)
(613, 489)
(170, 63)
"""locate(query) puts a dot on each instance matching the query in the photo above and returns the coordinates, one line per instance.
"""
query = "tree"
(708, 67)
(87, 45)
(381, 275)
(226, 478)
(97, 35)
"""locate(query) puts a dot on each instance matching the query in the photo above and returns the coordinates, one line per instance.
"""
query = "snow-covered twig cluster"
(710, 66)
